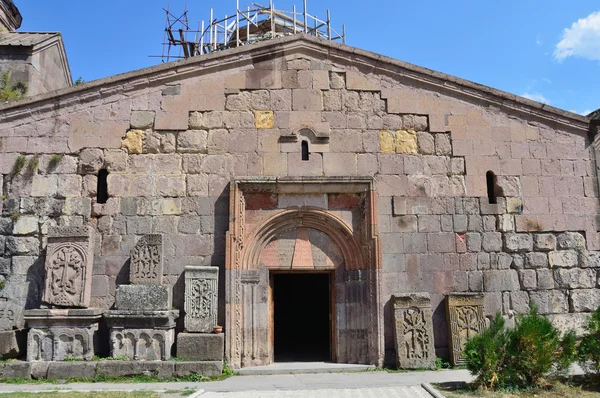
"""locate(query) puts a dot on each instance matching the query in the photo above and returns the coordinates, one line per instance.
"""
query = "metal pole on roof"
(272, 20)
(212, 47)
(202, 38)
(343, 34)
(237, 23)
(248, 25)
(294, 12)
(305, 20)
(328, 25)
(225, 31)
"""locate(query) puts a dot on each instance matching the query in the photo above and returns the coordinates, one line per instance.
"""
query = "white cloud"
(535, 96)
(584, 113)
(582, 39)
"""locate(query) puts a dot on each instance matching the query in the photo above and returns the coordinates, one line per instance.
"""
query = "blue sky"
(547, 50)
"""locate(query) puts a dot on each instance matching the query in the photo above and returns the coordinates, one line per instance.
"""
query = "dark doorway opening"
(301, 318)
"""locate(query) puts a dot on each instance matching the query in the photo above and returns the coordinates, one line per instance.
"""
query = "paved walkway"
(379, 384)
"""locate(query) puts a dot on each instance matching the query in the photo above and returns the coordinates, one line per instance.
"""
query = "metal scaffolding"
(256, 23)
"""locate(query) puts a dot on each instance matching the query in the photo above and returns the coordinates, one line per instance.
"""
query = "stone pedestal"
(200, 346)
(12, 343)
(465, 320)
(142, 335)
(56, 335)
(413, 331)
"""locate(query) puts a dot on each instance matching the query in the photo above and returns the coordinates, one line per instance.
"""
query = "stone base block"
(162, 370)
(12, 343)
(144, 298)
(204, 368)
(65, 370)
(56, 335)
(200, 346)
(142, 335)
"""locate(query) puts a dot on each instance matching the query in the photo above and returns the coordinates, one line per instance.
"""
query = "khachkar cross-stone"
(465, 319)
(146, 266)
(69, 261)
(413, 331)
(201, 298)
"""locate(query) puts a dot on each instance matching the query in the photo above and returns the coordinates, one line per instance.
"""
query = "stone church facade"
(298, 156)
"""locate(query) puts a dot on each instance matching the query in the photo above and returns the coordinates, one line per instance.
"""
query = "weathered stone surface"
(142, 335)
(133, 141)
(583, 300)
(544, 242)
(64, 370)
(589, 259)
(201, 346)
(570, 240)
(17, 370)
(413, 331)
(536, 260)
(205, 368)
(192, 141)
(55, 335)
(500, 280)
(563, 258)
(264, 119)
(12, 343)
(69, 262)
(492, 241)
(549, 301)
(201, 298)
(518, 242)
(574, 278)
(465, 320)
(567, 322)
(158, 369)
(406, 142)
(147, 260)
(143, 297)
(142, 119)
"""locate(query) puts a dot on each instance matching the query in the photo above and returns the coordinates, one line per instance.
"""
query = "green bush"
(589, 347)
(521, 356)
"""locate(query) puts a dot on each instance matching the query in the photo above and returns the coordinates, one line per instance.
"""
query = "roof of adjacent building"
(25, 38)
(436, 80)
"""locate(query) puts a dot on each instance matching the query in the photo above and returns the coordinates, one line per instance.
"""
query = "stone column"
(413, 331)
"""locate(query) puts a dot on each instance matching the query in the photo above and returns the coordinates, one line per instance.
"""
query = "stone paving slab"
(381, 392)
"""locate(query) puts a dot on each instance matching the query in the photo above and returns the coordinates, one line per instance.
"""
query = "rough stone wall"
(173, 140)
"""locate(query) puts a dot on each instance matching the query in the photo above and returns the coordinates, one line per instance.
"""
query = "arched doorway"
(268, 246)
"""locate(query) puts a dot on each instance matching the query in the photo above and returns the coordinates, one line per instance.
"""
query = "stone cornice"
(286, 46)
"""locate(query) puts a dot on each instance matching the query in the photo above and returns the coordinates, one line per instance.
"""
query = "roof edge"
(502, 98)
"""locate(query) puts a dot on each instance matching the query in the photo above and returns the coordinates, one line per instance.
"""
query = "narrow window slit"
(102, 188)
(304, 150)
(490, 179)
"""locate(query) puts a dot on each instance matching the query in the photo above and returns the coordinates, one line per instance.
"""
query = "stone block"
(17, 370)
(528, 279)
(406, 142)
(536, 260)
(574, 278)
(133, 141)
(69, 263)
(544, 242)
(584, 300)
(492, 241)
(500, 280)
(563, 258)
(201, 298)
(141, 335)
(205, 368)
(550, 301)
(264, 119)
(12, 343)
(589, 259)
(465, 320)
(158, 369)
(201, 346)
(413, 331)
(514, 205)
(64, 370)
(307, 100)
(518, 243)
(476, 281)
(147, 261)
(567, 322)
(91, 160)
(57, 334)
(192, 141)
(144, 297)
(39, 370)
(142, 119)
(570, 240)
(545, 279)
(443, 145)
(425, 143)
(473, 241)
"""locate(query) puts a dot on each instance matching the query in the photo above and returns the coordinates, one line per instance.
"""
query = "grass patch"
(54, 160)
(18, 165)
(577, 387)
(193, 378)
(99, 394)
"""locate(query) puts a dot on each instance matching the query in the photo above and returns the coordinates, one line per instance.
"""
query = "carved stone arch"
(308, 217)
(257, 217)
(316, 136)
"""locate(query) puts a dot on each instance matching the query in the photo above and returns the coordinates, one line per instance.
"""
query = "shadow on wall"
(35, 283)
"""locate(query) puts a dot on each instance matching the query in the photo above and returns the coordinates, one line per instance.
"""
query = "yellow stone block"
(386, 141)
(264, 119)
(406, 141)
(133, 141)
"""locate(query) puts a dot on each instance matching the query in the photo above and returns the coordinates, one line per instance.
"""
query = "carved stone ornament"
(465, 320)
(147, 261)
(201, 298)
(413, 331)
(69, 261)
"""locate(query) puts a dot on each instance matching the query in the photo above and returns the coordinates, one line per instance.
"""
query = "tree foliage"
(11, 90)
